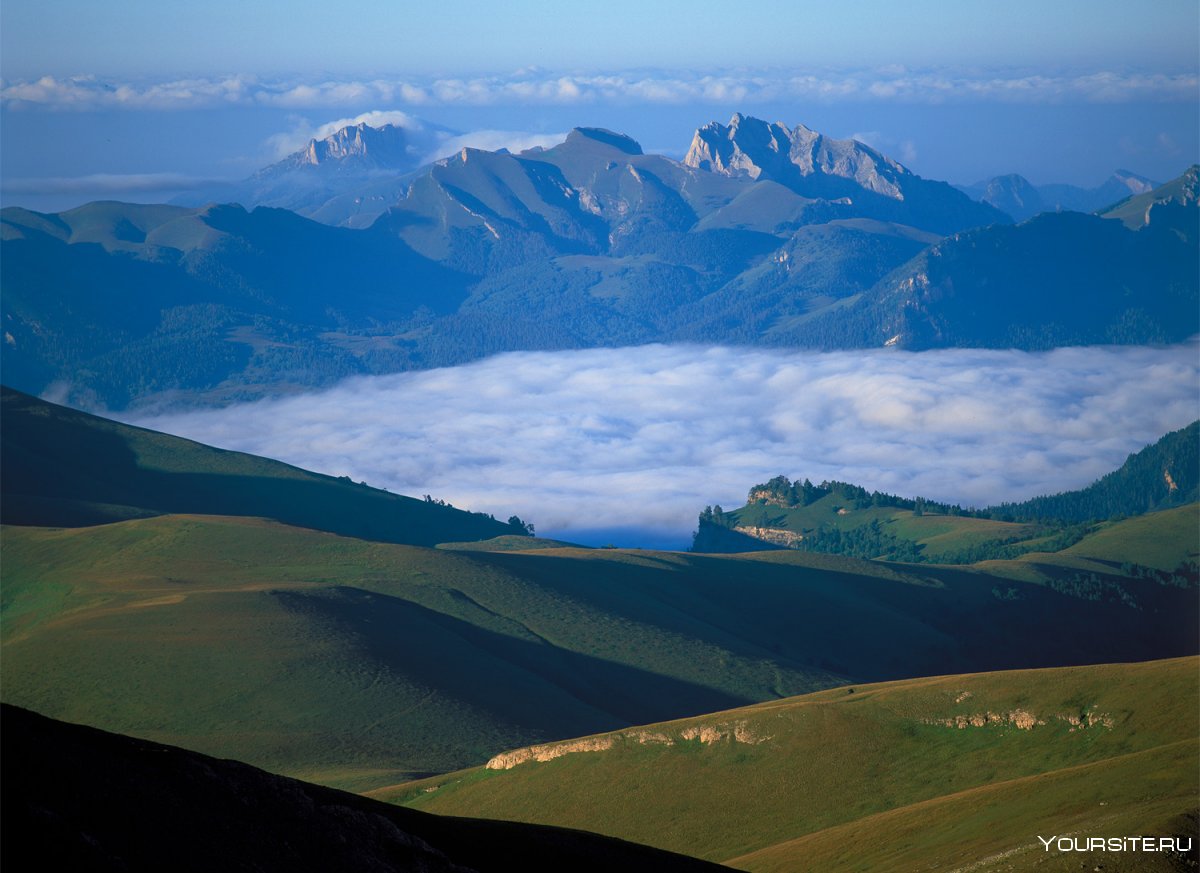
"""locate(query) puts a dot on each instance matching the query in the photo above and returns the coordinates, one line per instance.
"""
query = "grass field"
(361, 664)
(878, 776)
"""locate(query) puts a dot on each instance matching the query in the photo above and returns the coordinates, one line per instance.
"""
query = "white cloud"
(645, 437)
(492, 140)
(426, 142)
(654, 87)
(104, 183)
(904, 150)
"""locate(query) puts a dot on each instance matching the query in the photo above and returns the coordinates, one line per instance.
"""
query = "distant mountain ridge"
(758, 149)
(1025, 286)
(1021, 199)
(766, 235)
(347, 178)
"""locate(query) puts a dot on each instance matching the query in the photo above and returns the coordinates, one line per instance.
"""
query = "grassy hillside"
(840, 518)
(933, 773)
(360, 663)
(63, 467)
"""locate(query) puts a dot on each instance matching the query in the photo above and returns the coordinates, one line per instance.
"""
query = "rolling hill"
(112, 302)
(362, 660)
(949, 772)
(359, 664)
(67, 468)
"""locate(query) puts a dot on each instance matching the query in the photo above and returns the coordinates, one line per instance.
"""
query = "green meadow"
(929, 773)
(360, 664)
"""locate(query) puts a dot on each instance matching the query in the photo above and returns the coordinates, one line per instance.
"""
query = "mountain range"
(1020, 198)
(348, 178)
(832, 679)
(763, 234)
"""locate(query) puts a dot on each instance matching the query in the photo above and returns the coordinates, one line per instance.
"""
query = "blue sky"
(1061, 91)
(149, 37)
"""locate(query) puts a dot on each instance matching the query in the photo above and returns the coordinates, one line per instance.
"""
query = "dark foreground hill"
(67, 468)
(76, 798)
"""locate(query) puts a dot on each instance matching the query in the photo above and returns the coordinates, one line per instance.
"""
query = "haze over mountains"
(1020, 198)
(763, 235)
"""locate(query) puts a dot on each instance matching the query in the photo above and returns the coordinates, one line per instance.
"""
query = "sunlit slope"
(995, 827)
(1157, 543)
(933, 773)
(360, 664)
(842, 518)
(63, 467)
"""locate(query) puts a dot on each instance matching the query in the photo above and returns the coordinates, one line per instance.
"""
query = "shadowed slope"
(78, 798)
(63, 467)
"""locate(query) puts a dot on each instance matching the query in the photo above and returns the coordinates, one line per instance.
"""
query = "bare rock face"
(360, 146)
(761, 150)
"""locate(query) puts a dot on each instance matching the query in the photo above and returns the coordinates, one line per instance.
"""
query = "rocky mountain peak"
(751, 147)
(1137, 184)
(360, 146)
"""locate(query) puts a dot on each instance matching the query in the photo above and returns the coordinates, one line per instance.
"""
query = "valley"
(214, 653)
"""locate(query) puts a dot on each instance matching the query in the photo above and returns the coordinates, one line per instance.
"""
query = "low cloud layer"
(643, 438)
(100, 184)
(897, 84)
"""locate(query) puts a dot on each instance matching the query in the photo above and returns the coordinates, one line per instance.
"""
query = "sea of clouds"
(538, 86)
(629, 444)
